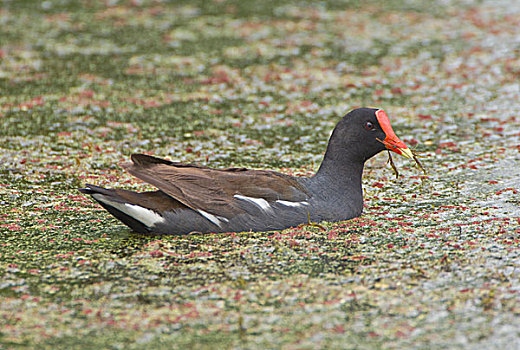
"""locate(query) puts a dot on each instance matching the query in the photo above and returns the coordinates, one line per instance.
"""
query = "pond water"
(432, 263)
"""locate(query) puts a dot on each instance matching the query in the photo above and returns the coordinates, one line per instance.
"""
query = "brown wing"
(212, 190)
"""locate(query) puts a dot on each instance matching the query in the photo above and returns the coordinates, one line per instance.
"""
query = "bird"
(192, 198)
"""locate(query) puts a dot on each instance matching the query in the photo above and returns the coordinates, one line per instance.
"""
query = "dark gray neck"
(337, 190)
(339, 174)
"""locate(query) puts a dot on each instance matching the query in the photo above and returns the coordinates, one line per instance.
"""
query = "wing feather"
(212, 190)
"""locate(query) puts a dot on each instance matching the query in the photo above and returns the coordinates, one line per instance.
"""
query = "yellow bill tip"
(406, 152)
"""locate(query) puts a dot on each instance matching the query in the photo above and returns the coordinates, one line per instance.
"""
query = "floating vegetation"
(430, 264)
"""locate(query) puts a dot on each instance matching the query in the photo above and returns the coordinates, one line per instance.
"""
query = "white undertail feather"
(292, 204)
(146, 216)
(259, 202)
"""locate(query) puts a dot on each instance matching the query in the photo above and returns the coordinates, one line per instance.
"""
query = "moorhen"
(194, 198)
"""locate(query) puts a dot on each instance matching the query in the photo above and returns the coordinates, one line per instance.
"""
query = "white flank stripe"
(143, 215)
(292, 204)
(214, 219)
(259, 202)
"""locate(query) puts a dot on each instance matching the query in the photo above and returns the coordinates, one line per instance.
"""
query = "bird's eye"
(369, 126)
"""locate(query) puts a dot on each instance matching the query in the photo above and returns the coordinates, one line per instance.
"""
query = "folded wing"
(220, 192)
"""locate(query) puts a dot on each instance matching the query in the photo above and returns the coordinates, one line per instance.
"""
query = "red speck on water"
(338, 329)
(506, 189)
(400, 334)
(359, 257)
(156, 253)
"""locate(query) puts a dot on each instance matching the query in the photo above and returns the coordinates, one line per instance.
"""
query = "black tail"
(113, 196)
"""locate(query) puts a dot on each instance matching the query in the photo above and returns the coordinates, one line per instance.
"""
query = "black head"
(361, 134)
